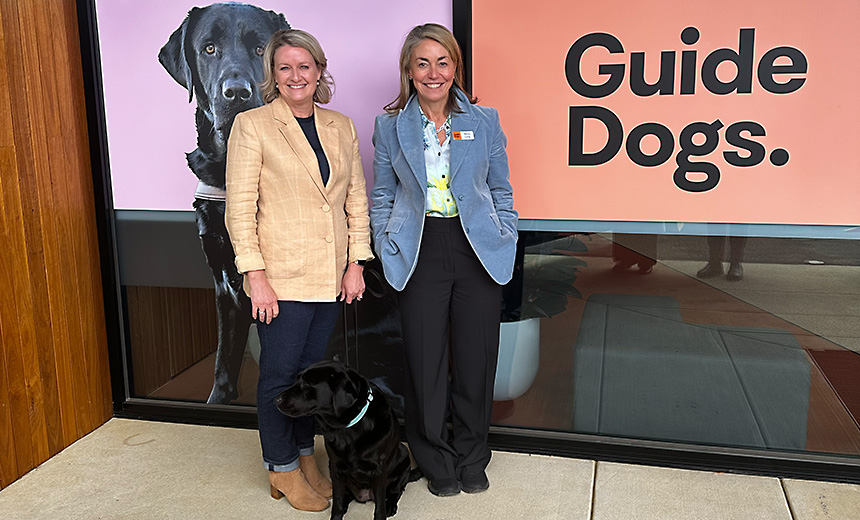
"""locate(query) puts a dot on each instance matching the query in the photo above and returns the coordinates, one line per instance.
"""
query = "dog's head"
(327, 390)
(216, 54)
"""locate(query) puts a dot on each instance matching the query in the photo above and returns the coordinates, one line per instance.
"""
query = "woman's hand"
(264, 301)
(352, 286)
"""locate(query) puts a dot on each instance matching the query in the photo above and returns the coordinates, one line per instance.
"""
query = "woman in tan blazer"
(297, 218)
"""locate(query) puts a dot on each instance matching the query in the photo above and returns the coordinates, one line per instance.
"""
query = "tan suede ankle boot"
(299, 493)
(315, 478)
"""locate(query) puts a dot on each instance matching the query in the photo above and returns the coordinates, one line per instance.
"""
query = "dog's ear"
(352, 390)
(279, 20)
(172, 55)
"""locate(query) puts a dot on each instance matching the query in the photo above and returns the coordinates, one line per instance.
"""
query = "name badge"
(465, 135)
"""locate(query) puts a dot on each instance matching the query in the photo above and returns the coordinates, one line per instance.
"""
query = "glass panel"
(724, 337)
(731, 340)
(174, 349)
(177, 348)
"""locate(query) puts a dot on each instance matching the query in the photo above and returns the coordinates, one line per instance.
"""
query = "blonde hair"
(444, 37)
(295, 38)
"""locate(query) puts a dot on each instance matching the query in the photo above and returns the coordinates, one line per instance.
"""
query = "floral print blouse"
(437, 161)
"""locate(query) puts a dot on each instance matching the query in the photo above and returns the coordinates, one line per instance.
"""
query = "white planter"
(519, 357)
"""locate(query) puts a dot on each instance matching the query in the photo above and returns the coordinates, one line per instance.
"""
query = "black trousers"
(450, 311)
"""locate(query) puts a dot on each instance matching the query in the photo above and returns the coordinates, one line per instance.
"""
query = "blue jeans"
(294, 340)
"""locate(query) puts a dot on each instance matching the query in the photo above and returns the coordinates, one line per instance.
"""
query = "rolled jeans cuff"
(282, 468)
(290, 466)
(304, 452)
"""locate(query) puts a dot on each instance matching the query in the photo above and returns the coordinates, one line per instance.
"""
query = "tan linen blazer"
(280, 216)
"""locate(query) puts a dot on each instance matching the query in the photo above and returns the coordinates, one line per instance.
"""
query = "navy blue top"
(310, 130)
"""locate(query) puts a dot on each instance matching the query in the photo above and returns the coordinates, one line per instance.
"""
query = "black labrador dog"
(216, 55)
(367, 461)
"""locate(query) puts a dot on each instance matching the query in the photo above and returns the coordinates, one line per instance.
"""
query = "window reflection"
(625, 334)
(765, 360)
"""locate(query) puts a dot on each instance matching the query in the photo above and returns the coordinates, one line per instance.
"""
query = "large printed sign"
(616, 110)
(151, 119)
(175, 76)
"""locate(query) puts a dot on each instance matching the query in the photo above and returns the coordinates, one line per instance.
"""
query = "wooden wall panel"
(54, 376)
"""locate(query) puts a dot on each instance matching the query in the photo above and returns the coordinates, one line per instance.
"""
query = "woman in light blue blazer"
(445, 230)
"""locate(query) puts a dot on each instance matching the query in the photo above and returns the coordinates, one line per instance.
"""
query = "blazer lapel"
(410, 135)
(328, 134)
(459, 122)
(294, 135)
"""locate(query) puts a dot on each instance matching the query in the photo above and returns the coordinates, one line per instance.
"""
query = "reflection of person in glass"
(297, 217)
(716, 252)
(442, 187)
(629, 250)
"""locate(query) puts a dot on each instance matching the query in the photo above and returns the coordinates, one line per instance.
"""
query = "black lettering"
(689, 35)
(634, 144)
(779, 157)
(743, 60)
(576, 154)
(688, 148)
(573, 62)
(688, 73)
(756, 150)
(767, 69)
(665, 85)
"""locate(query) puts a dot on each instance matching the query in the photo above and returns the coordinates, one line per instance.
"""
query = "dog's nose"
(236, 89)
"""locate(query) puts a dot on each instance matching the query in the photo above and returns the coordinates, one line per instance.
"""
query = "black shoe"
(736, 273)
(620, 267)
(444, 487)
(711, 270)
(474, 482)
(645, 268)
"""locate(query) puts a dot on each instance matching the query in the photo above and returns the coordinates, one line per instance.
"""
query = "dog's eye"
(210, 49)
(259, 51)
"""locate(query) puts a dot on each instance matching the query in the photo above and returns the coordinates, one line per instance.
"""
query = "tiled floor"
(147, 470)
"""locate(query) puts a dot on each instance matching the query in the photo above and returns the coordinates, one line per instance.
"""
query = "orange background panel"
(519, 52)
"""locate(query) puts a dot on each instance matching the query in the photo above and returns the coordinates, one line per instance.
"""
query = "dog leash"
(369, 272)
(346, 332)
(346, 309)
(355, 333)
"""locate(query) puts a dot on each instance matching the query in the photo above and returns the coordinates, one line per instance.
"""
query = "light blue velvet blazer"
(480, 180)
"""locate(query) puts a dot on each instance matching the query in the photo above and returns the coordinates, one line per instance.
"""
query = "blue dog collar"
(363, 410)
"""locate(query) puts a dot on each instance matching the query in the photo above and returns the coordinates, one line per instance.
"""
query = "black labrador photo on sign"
(216, 55)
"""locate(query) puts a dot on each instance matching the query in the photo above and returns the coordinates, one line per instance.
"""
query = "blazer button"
(460, 197)
(329, 238)
(467, 230)
(325, 207)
